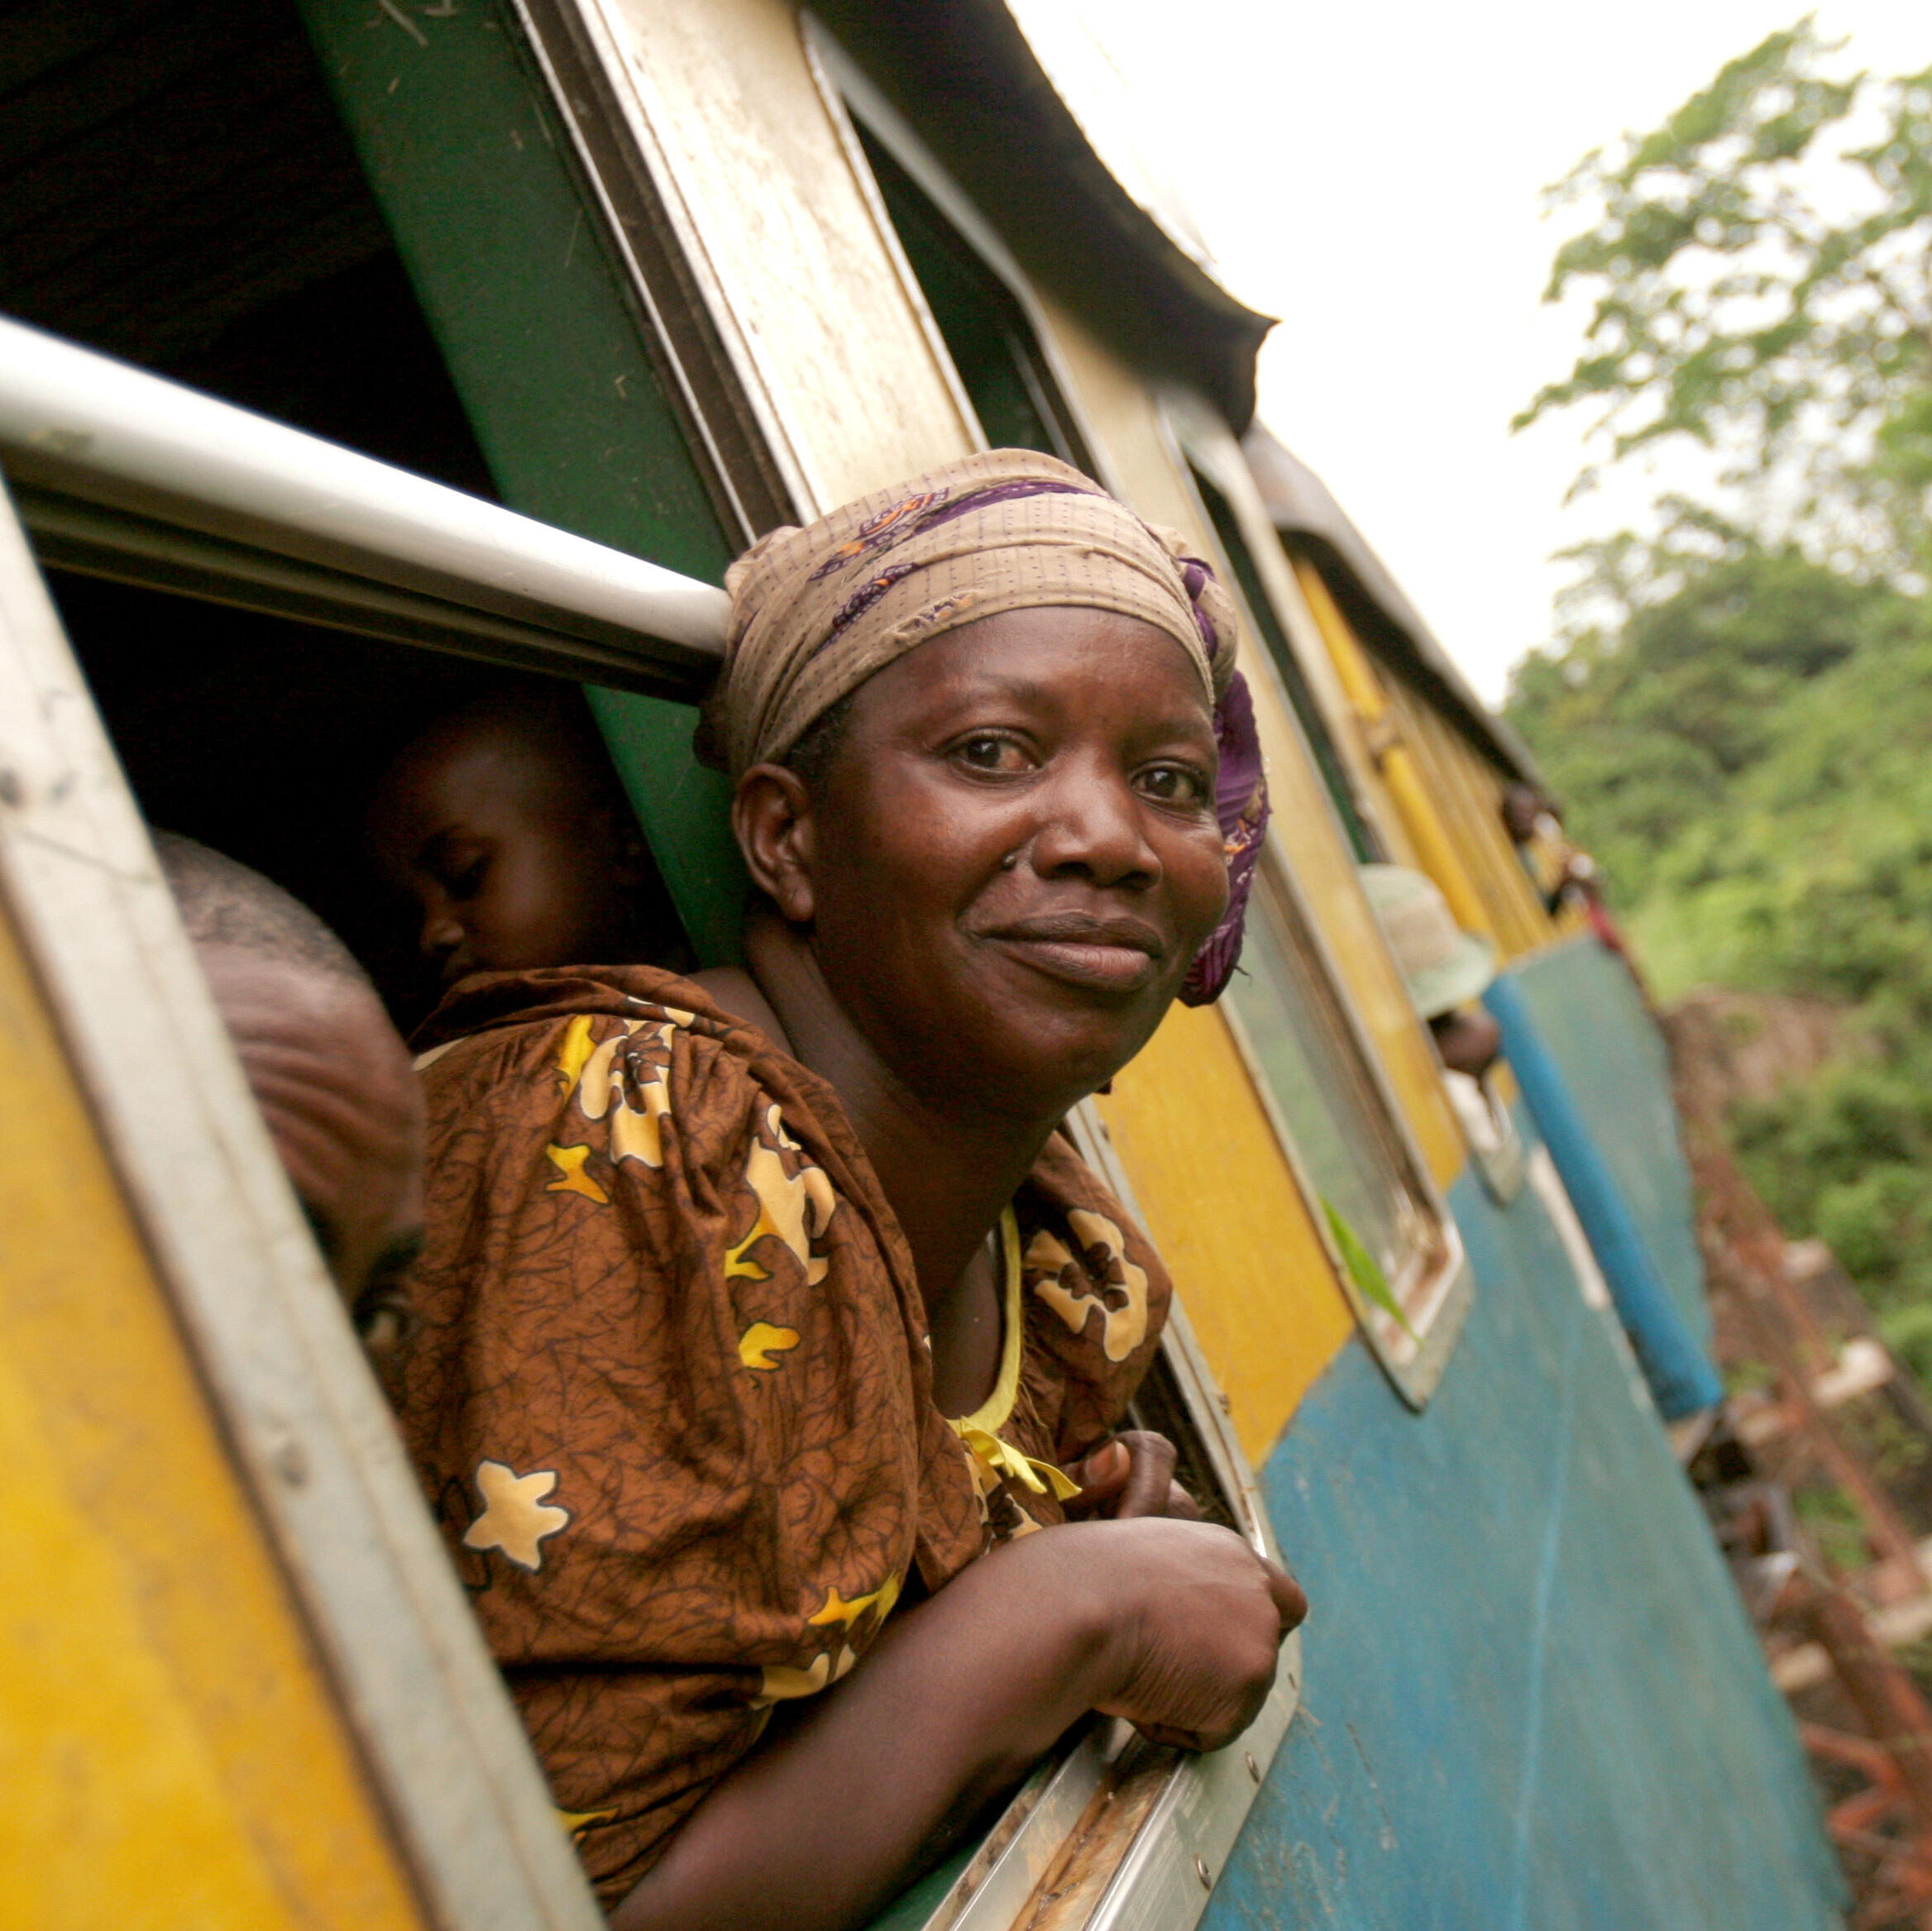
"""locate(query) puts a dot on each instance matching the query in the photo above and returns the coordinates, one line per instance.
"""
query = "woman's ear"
(772, 819)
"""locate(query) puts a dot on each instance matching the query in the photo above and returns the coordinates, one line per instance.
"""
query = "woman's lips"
(1120, 958)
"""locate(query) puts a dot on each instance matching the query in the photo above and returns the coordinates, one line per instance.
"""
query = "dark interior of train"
(261, 737)
(256, 267)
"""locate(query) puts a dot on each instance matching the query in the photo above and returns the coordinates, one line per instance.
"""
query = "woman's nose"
(1093, 824)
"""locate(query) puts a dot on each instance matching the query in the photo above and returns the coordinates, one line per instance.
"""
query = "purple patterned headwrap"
(817, 611)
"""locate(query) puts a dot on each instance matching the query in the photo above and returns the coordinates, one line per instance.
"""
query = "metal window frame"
(573, 51)
(122, 474)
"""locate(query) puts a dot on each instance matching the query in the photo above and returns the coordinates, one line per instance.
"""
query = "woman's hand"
(1197, 1640)
(1172, 1625)
(1130, 1476)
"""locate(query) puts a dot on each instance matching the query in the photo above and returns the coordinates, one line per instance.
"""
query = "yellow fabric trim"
(980, 1430)
(993, 1413)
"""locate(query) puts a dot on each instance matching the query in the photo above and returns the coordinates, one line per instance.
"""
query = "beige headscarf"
(815, 612)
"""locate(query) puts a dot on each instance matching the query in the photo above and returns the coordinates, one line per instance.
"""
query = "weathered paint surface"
(1593, 1020)
(1533, 1701)
(170, 1751)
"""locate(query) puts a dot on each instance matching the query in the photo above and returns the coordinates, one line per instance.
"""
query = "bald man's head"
(332, 1076)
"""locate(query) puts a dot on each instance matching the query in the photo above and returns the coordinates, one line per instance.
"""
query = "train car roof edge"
(966, 77)
(1300, 505)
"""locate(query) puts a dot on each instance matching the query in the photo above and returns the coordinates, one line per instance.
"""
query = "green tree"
(1679, 657)
(1740, 717)
(1766, 299)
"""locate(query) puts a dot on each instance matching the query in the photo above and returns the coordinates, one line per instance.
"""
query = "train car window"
(1356, 823)
(262, 737)
(987, 333)
(976, 294)
(360, 258)
(1395, 1248)
(255, 265)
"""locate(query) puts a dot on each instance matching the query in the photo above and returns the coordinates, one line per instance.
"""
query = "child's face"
(512, 864)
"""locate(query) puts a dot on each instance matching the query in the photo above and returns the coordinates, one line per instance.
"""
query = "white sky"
(1370, 173)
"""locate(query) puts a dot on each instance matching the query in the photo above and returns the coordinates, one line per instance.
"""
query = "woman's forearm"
(817, 1828)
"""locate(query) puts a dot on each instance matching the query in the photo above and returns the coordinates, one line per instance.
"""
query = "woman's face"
(1014, 856)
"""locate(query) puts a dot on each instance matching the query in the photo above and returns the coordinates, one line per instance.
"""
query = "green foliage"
(1708, 650)
(1748, 750)
(1837, 1528)
(1363, 1269)
(1758, 291)
(1740, 718)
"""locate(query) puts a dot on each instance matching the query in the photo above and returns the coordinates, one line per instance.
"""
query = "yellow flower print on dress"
(516, 1517)
(783, 1682)
(879, 1603)
(796, 1208)
(570, 1177)
(1066, 1282)
(616, 1080)
(762, 1341)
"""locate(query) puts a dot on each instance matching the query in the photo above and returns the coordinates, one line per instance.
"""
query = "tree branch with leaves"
(1768, 297)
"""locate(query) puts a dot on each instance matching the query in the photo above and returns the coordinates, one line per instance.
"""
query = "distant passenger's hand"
(1130, 1476)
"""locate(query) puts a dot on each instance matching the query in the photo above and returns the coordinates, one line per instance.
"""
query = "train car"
(364, 351)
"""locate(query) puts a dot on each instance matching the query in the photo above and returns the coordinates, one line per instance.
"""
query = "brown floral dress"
(671, 1398)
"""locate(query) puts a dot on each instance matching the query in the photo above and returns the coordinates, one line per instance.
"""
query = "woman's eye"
(991, 753)
(1174, 784)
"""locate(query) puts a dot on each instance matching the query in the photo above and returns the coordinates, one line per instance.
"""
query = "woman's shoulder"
(515, 1012)
(621, 1052)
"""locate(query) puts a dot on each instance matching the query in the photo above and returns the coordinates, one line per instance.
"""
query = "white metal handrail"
(123, 473)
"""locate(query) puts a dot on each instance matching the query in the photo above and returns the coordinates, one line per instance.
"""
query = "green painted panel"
(687, 810)
(463, 152)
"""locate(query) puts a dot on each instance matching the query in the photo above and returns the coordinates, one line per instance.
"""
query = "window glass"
(1311, 1069)
(984, 327)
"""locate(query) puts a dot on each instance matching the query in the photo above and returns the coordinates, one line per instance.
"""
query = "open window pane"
(1304, 1050)
(984, 327)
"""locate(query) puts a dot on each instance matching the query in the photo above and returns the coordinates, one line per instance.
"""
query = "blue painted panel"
(1533, 1701)
(1593, 1020)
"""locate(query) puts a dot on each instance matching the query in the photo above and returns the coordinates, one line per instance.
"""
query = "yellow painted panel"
(1470, 790)
(169, 1751)
(1225, 1211)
